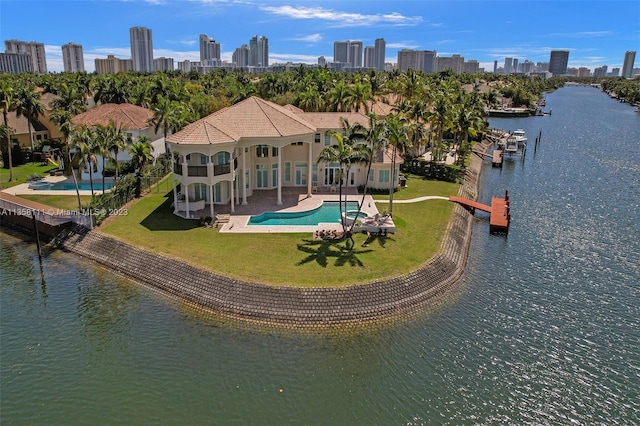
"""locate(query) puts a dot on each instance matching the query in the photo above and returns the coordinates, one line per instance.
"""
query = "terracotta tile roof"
(386, 157)
(253, 117)
(130, 117)
(332, 120)
(19, 125)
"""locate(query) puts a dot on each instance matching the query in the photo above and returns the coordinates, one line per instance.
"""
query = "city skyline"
(596, 33)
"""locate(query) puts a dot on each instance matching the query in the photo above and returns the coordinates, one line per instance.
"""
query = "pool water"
(328, 212)
(83, 186)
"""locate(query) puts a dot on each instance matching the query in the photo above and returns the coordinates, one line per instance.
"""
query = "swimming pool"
(328, 212)
(67, 186)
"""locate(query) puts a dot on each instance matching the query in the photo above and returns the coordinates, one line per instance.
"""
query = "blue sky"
(595, 32)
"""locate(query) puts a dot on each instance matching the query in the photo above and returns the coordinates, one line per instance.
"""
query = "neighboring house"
(19, 129)
(258, 145)
(134, 121)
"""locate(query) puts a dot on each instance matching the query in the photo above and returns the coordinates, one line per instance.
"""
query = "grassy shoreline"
(293, 259)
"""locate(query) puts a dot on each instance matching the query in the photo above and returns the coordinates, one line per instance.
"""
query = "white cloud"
(311, 38)
(343, 19)
(293, 57)
(402, 45)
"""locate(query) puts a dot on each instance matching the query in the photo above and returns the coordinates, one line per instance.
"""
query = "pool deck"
(293, 200)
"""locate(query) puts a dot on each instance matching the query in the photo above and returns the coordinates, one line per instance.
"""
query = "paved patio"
(293, 200)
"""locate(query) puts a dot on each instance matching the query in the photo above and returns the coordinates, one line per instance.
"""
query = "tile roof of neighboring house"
(333, 120)
(19, 125)
(130, 117)
(253, 117)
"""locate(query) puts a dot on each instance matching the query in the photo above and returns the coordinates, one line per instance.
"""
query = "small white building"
(258, 145)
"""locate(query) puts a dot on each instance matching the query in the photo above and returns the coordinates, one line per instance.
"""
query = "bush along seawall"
(289, 306)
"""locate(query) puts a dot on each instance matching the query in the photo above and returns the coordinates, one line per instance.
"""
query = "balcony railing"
(177, 169)
(198, 171)
(221, 169)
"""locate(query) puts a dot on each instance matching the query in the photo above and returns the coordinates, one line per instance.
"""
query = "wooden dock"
(496, 159)
(499, 210)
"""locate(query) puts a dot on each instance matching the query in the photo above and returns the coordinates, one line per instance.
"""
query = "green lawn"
(64, 202)
(21, 173)
(293, 259)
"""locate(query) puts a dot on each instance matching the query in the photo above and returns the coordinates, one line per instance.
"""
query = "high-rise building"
(240, 57)
(615, 72)
(380, 47)
(410, 59)
(15, 63)
(515, 65)
(471, 67)
(453, 63)
(348, 54)
(341, 51)
(209, 48)
(495, 66)
(322, 61)
(558, 61)
(627, 67)
(34, 49)
(163, 64)
(429, 61)
(508, 65)
(355, 54)
(259, 52)
(369, 57)
(113, 65)
(72, 57)
(418, 60)
(141, 49)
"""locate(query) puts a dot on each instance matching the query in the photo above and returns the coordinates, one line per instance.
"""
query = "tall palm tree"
(102, 146)
(397, 134)
(8, 102)
(29, 107)
(84, 142)
(141, 154)
(375, 137)
(117, 143)
(62, 118)
(344, 152)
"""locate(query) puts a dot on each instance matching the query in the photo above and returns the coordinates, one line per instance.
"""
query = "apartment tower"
(72, 57)
(558, 61)
(209, 48)
(34, 49)
(379, 47)
(141, 49)
(627, 67)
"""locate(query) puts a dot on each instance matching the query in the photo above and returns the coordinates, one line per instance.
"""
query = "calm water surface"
(542, 329)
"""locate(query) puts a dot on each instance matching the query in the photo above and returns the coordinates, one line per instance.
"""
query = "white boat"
(520, 136)
(511, 145)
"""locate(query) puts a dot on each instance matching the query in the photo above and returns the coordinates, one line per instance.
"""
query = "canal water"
(543, 328)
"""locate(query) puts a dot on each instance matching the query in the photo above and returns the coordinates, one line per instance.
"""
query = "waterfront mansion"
(257, 145)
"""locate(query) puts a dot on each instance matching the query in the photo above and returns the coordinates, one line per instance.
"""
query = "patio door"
(301, 174)
(262, 176)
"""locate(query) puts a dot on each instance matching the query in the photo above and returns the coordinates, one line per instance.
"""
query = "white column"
(186, 199)
(235, 175)
(310, 170)
(175, 198)
(279, 203)
(233, 206)
(211, 213)
(244, 176)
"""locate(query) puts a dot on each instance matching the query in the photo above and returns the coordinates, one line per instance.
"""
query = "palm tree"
(83, 140)
(397, 134)
(117, 143)
(62, 118)
(376, 140)
(141, 154)
(102, 146)
(344, 152)
(8, 102)
(30, 107)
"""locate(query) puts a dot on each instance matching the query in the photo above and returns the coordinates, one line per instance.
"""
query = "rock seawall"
(288, 305)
